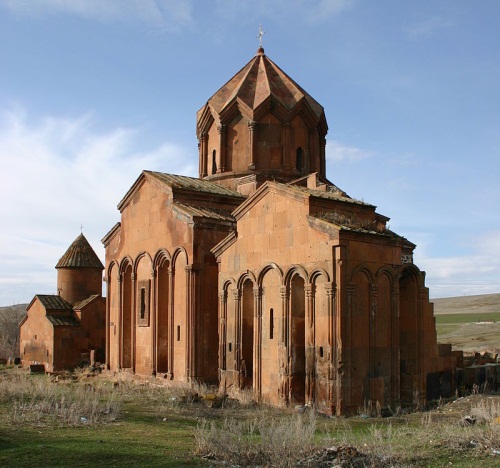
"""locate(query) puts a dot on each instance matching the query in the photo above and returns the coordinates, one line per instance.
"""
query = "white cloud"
(477, 272)
(58, 173)
(165, 14)
(428, 27)
(338, 151)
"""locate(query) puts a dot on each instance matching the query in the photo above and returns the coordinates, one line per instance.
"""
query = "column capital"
(309, 289)
(236, 294)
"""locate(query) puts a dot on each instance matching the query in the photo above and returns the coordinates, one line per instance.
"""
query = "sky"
(94, 91)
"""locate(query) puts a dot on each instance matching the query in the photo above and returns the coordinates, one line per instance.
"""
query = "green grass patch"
(446, 328)
(467, 318)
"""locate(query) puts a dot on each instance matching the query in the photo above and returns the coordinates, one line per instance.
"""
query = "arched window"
(298, 159)
(214, 162)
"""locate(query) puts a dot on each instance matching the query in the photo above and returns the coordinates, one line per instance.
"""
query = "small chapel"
(261, 274)
(66, 330)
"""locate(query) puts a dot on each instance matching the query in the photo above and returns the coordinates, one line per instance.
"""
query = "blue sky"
(94, 91)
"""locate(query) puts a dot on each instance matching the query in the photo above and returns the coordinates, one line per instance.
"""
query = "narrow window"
(214, 162)
(47, 353)
(229, 347)
(143, 303)
(298, 160)
(321, 351)
(271, 324)
(178, 333)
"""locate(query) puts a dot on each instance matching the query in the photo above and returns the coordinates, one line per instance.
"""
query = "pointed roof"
(80, 255)
(259, 81)
(52, 302)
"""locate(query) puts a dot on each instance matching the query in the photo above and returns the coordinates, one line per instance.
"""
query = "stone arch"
(162, 265)
(125, 263)
(244, 319)
(360, 314)
(383, 348)
(177, 253)
(411, 270)
(229, 282)
(179, 334)
(297, 336)
(113, 265)
(142, 324)
(113, 316)
(247, 275)
(318, 273)
(362, 270)
(269, 322)
(262, 272)
(139, 258)
(323, 329)
(295, 270)
(227, 325)
(410, 326)
(162, 256)
(126, 313)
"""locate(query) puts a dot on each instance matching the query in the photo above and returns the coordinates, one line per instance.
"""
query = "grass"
(467, 318)
(144, 424)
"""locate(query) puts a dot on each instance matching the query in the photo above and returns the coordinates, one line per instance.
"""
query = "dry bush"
(278, 442)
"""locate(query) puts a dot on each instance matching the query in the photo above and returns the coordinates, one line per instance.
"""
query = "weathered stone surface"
(264, 276)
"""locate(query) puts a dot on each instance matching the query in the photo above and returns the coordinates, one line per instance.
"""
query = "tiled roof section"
(80, 255)
(202, 212)
(191, 183)
(332, 193)
(53, 302)
(257, 81)
(355, 225)
(63, 320)
(80, 305)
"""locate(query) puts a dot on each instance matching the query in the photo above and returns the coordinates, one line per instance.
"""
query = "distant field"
(469, 323)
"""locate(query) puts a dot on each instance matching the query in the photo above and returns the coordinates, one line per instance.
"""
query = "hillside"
(469, 323)
(9, 329)
(484, 303)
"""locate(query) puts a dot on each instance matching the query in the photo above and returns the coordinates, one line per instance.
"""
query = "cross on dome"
(259, 36)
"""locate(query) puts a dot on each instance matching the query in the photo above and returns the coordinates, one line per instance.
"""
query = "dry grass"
(41, 401)
(278, 442)
(411, 440)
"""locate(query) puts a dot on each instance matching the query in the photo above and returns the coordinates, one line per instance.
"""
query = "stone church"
(261, 273)
(62, 331)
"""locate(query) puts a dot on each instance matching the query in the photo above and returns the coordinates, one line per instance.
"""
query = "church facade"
(261, 273)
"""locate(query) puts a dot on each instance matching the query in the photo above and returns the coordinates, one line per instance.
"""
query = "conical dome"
(259, 80)
(261, 125)
(80, 254)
